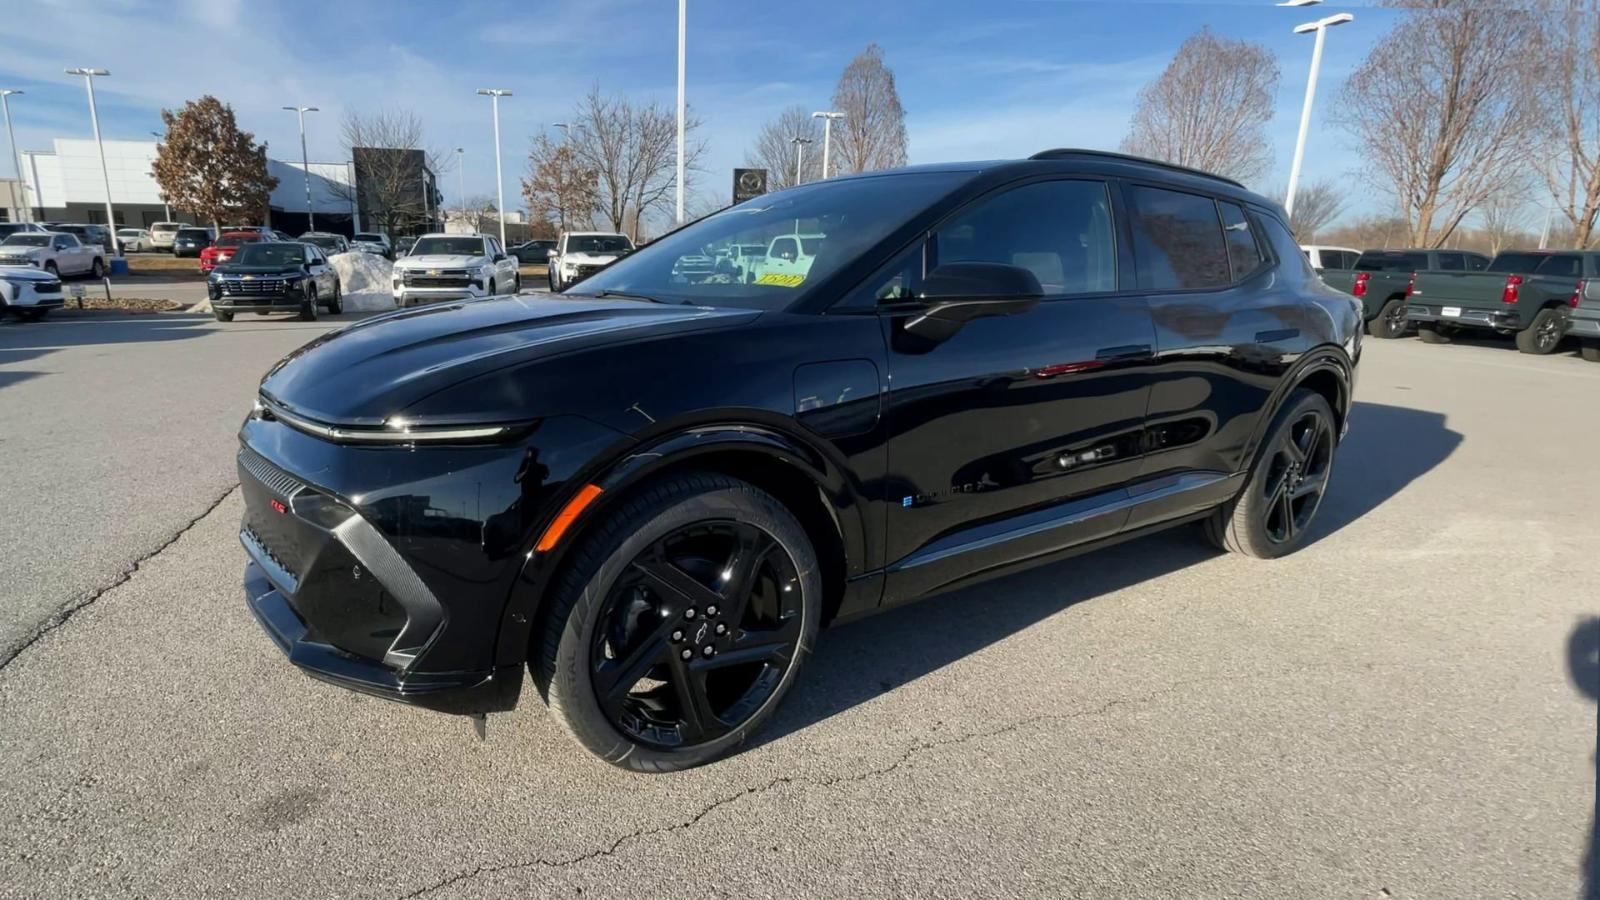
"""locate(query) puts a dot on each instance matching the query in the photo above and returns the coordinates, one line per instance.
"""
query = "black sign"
(748, 183)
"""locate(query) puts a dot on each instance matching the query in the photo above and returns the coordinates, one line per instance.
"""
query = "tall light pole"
(1321, 27)
(827, 135)
(494, 94)
(305, 162)
(461, 181)
(166, 207)
(89, 76)
(16, 158)
(683, 26)
(799, 154)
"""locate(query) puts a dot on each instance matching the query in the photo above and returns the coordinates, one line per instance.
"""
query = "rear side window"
(1476, 263)
(1177, 239)
(1244, 252)
(1392, 261)
(1512, 263)
(1452, 262)
(1561, 266)
(1058, 230)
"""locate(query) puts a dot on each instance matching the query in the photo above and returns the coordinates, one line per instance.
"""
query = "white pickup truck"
(579, 254)
(454, 267)
(56, 253)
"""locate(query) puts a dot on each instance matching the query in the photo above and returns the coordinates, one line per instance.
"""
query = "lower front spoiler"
(460, 693)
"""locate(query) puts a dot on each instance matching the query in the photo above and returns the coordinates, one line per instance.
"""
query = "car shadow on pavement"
(27, 341)
(1387, 448)
(1583, 667)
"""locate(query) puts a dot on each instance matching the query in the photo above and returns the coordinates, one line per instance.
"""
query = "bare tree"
(872, 134)
(1377, 232)
(775, 151)
(558, 189)
(1316, 206)
(1448, 128)
(209, 168)
(396, 172)
(1501, 220)
(1209, 108)
(1572, 90)
(632, 151)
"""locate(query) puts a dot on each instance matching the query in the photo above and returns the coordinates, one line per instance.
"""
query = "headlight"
(395, 431)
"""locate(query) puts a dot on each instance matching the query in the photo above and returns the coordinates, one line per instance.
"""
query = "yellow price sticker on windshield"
(774, 278)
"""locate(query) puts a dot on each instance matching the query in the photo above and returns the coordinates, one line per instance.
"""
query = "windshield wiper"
(620, 295)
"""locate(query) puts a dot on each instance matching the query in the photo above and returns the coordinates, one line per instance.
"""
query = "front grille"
(47, 287)
(268, 474)
(586, 271)
(15, 261)
(279, 571)
(449, 278)
(254, 286)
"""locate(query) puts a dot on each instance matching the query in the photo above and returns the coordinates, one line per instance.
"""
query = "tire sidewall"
(571, 690)
(1246, 528)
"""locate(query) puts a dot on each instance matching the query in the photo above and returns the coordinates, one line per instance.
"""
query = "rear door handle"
(1127, 351)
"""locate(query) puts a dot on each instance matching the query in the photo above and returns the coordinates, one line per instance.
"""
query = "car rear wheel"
(1431, 333)
(1544, 334)
(679, 625)
(1390, 322)
(1285, 488)
(50, 266)
(308, 306)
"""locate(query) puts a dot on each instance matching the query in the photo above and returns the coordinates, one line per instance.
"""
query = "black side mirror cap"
(957, 293)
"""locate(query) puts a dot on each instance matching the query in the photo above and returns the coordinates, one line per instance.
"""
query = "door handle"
(1125, 352)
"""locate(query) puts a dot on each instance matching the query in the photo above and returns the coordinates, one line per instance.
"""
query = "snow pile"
(365, 280)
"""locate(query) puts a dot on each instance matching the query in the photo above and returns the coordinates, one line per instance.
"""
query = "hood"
(375, 369)
(441, 261)
(595, 257)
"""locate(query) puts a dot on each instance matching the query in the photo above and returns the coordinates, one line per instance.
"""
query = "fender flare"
(671, 450)
(1324, 358)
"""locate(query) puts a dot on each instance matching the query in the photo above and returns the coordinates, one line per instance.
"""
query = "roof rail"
(1067, 152)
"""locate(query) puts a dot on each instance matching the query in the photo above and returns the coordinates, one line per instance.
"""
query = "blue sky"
(999, 78)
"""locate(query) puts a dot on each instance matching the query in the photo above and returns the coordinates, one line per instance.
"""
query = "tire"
(97, 270)
(516, 283)
(336, 302)
(1390, 322)
(1543, 335)
(1430, 333)
(1590, 350)
(50, 266)
(553, 286)
(308, 306)
(222, 316)
(604, 593)
(1286, 486)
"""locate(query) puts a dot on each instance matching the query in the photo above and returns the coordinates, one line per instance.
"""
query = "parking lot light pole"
(305, 162)
(494, 94)
(461, 181)
(799, 155)
(89, 76)
(683, 26)
(16, 158)
(166, 206)
(1321, 27)
(827, 135)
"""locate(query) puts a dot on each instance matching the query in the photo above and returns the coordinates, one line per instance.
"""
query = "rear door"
(1017, 435)
(1227, 330)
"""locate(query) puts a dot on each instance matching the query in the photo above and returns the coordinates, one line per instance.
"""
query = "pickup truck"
(58, 254)
(1381, 279)
(1525, 294)
(579, 254)
(1583, 322)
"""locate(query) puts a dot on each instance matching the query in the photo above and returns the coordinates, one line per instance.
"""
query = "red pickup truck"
(223, 250)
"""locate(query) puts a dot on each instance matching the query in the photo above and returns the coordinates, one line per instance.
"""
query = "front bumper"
(31, 295)
(1493, 320)
(273, 303)
(416, 296)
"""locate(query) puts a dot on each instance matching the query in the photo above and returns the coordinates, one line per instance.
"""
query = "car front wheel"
(1285, 488)
(680, 623)
(97, 269)
(308, 306)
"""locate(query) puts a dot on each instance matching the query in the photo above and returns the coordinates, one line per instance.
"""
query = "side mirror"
(957, 293)
(499, 257)
(550, 254)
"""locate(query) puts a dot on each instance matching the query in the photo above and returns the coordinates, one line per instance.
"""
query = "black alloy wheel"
(1390, 322)
(97, 270)
(697, 634)
(1544, 334)
(679, 622)
(1285, 487)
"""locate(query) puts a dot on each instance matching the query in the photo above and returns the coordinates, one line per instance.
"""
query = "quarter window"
(1178, 240)
(1060, 231)
(1244, 252)
(1561, 266)
(1452, 262)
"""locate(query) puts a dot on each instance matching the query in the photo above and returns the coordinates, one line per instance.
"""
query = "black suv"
(652, 490)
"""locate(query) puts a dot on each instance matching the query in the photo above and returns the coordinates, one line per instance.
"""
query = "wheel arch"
(1325, 370)
(803, 478)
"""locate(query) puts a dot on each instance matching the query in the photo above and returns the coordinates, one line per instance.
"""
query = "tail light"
(1510, 294)
(1360, 289)
(1577, 293)
(1411, 286)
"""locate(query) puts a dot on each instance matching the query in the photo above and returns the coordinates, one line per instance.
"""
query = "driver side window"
(1061, 231)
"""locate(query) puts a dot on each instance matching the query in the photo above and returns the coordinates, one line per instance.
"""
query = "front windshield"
(448, 246)
(26, 240)
(769, 249)
(235, 240)
(325, 241)
(369, 238)
(598, 243)
(280, 255)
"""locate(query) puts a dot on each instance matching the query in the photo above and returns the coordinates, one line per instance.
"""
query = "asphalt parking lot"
(1403, 709)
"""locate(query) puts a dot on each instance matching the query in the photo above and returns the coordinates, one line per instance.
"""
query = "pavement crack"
(906, 758)
(64, 613)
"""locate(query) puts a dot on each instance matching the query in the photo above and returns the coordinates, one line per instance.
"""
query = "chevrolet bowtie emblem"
(433, 271)
(248, 277)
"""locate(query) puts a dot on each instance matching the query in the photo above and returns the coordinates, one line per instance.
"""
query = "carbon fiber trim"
(276, 479)
(424, 614)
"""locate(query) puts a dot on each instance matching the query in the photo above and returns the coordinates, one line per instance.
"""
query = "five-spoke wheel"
(1285, 487)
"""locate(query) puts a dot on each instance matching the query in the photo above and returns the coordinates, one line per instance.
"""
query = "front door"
(1014, 437)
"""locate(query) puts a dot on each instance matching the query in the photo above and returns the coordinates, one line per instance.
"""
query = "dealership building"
(65, 184)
